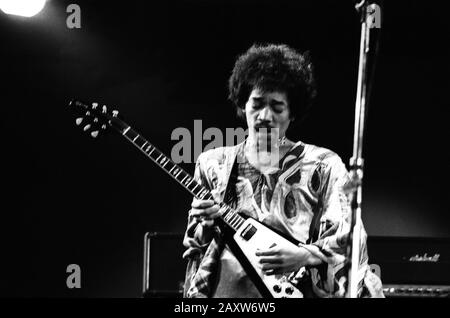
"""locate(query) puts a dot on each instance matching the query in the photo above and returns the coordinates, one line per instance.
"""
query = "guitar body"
(252, 236)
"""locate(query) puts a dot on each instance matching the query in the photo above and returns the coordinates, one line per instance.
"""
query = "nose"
(265, 114)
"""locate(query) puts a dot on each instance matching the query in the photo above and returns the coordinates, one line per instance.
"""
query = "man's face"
(267, 114)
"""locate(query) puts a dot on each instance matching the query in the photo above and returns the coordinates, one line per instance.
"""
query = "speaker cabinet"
(164, 267)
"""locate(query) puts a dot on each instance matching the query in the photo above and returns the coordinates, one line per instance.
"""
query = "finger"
(214, 215)
(207, 212)
(201, 204)
(267, 267)
(273, 272)
(270, 260)
(207, 223)
(268, 252)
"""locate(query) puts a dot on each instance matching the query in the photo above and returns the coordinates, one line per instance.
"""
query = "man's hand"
(205, 211)
(283, 259)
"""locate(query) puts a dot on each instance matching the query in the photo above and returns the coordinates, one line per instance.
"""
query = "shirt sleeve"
(329, 279)
(196, 237)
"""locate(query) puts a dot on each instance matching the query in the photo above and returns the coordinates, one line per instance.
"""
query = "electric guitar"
(244, 235)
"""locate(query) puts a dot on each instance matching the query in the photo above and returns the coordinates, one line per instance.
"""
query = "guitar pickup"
(248, 232)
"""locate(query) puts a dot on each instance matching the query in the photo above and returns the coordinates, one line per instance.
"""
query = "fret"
(170, 165)
(228, 216)
(226, 212)
(134, 139)
(199, 191)
(138, 141)
(151, 151)
(126, 130)
(176, 176)
(159, 157)
(234, 223)
(176, 171)
(131, 134)
(230, 220)
(202, 194)
(165, 163)
(233, 219)
(240, 221)
(187, 181)
(170, 171)
(144, 144)
(195, 186)
(238, 224)
(183, 176)
(187, 184)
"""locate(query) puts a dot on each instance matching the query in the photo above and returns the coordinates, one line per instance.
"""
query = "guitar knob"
(289, 290)
(86, 128)
(94, 134)
(78, 121)
(277, 289)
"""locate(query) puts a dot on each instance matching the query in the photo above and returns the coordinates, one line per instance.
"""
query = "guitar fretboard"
(229, 215)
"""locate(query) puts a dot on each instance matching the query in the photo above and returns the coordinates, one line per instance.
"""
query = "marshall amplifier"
(164, 267)
(411, 267)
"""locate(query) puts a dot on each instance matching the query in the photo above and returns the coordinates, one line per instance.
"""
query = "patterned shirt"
(303, 199)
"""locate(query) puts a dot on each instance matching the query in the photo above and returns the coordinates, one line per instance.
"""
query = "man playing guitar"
(293, 187)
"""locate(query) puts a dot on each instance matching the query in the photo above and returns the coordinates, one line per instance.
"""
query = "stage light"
(25, 8)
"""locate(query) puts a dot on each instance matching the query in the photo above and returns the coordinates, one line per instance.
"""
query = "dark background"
(67, 198)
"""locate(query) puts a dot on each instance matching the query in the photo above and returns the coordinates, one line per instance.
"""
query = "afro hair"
(271, 68)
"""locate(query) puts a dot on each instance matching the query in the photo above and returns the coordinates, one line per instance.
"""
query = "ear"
(240, 113)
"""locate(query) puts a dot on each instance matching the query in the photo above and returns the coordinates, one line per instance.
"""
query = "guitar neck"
(228, 215)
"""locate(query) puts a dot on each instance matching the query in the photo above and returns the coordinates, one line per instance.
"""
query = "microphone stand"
(357, 162)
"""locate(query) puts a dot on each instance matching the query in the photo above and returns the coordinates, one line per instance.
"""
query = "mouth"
(264, 129)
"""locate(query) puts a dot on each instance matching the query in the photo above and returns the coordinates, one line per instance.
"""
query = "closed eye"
(278, 107)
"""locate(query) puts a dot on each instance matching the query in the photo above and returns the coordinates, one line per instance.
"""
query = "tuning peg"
(104, 109)
(115, 113)
(103, 126)
(78, 121)
(88, 113)
(95, 120)
(94, 134)
(87, 127)
(94, 105)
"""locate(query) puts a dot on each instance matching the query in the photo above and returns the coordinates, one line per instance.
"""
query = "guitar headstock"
(95, 119)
